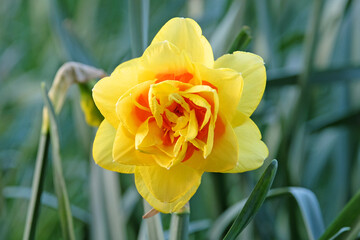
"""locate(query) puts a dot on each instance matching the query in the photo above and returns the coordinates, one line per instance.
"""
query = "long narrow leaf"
(98, 221)
(349, 217)
(283, 77)
(74, 49)
(256, 199)
(139, 25)
(309, 208)
(113, 205)
(306, 200)
(242, 40)
(224, 33)
(37, 186)
(348, 119)
(59, 182)
(47, 199)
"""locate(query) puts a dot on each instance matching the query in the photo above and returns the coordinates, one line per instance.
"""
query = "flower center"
(185, 115)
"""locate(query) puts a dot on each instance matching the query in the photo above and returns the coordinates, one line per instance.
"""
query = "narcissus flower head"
(174, 113)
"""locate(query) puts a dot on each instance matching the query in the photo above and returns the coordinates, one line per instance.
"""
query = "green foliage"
(347, 224)
(254, 202)
(59, 182)
(241, 41)
(310, 125)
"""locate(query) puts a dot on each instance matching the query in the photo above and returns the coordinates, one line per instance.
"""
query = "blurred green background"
(309, 116)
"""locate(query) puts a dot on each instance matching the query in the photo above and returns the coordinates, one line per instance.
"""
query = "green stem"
(179, 228)
(155, 230)
(37, 186)
(59, 181)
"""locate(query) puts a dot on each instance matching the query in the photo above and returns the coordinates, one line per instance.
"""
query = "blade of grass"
(348, 217)
(139, 25)
(349, 119)
(47, 199)
(254, 201)
(68, 74)
(241, 41)
(283, 77)
(130, 198)
(37, 185)
(295, 128)
(73, 48)
(263, 43)
(98, 221)
(59, 182)
(309, 208)
(224, 33)
(305, 199)
(113, 205)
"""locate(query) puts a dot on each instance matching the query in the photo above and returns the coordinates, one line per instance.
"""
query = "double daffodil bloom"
(174, 113)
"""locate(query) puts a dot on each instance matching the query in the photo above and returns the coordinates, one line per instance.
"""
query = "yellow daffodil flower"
(174, 113)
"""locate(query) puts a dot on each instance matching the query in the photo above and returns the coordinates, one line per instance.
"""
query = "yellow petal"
(102, 149)
(126, 108)
(207, 93)
(252, 151)
(201, 102)
(186, 34)
(224, 153)
(167, 190)
(252, 68)
(164, 58)
(163, 160)
(192, 129)
(148, 134)
(108, 90)
(229, 84)
(124, 151)
(180, 100)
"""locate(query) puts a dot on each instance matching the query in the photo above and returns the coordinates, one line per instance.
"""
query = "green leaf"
(254, 202)
(113, 206)
(73, 48)
(59, 182)
(130, 198)
(37, 186)
(99, 227)
(139, 25)
(309, 208)
(224, 34)
(242, 40)
(348, 217)
(350, 119)
(283, 77)
(305, 199)
(291, 40)
(47, 199)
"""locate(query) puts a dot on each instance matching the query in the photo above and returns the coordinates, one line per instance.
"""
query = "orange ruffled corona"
(174, 113)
